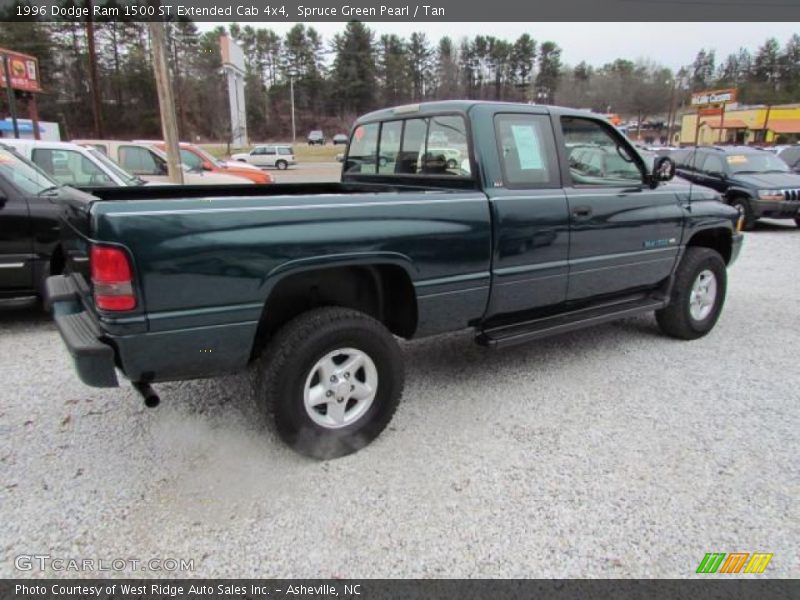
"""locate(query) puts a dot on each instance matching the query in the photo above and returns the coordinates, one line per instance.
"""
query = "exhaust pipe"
(151, 398)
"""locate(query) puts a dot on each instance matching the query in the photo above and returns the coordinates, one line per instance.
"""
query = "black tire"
(282, 165)
(289, 360)
(451, 164)
(797, 221)
(676, 319)
(747, 211)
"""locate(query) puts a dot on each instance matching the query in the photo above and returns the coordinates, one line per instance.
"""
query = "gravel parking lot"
(611, 452)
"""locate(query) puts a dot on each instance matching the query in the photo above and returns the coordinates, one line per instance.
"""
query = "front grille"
(791, 194)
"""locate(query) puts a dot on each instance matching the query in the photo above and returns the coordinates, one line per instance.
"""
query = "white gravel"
(611, 452)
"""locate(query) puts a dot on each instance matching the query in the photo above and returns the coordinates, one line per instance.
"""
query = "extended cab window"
(434, 146)
(604, 160)
(527, 151)
(713, 165)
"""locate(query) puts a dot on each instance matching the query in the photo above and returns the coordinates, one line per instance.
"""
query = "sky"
(670, 44)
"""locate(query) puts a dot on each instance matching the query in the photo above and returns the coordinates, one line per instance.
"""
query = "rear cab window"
(427, 146)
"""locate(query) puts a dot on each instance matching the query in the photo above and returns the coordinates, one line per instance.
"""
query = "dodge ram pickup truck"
(310, 285)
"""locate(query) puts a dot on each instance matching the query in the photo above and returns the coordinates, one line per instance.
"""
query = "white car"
(149, 163)
(71, 164)
(280, 156)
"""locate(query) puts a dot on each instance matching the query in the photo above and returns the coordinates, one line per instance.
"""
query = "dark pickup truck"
(449, 215)
(30, 248)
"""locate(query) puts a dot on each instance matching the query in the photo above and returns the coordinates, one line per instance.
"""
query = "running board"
(518, 333)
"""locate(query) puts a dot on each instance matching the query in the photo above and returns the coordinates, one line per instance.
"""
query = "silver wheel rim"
(703, 295)
(340, 388)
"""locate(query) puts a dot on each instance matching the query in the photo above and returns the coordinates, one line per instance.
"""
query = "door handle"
(582, 212)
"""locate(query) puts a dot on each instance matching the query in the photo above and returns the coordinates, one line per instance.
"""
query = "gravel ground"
(611, 452)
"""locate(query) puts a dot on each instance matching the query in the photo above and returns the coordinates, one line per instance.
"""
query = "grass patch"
(302, 151)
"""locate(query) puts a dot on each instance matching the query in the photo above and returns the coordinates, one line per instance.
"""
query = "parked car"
(75, 165)
(339, 138)
(145, 160)
(791, 156)
(198, 159)
(280, 156)
(756, 182)
(310, 284)
(316, 137)
(30, 246)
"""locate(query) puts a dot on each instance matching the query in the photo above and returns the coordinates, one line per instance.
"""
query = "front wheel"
(743, 206)
(282, 165)
(698, 295)
(332, 379)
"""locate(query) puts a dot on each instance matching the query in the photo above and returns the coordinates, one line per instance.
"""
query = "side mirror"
(207, 167)
(663, 169)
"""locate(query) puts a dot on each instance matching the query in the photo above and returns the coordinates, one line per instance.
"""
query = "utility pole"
(96, 106)
(12, 105)
(166, 101)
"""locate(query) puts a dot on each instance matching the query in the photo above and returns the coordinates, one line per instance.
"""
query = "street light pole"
(291, 91)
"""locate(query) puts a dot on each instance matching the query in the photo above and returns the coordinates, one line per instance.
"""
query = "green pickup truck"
(528, 235)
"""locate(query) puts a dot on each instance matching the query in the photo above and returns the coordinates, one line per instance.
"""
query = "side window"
(610, 164)
(70, 168)
(284, 151)
(527, 151)
(391, 132)
(138, 161)
(447, 147)
(713, 165)
(414, 134)
(191, 159)
(362, 155)
(257, 151)
(270, 151)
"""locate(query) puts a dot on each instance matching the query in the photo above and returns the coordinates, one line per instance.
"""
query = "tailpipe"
(148, 394)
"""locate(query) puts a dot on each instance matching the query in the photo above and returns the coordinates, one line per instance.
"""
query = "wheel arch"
(378, 285)
(719, 239)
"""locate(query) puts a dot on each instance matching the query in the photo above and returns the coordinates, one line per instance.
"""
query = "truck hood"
(766, 181)
(232, 164)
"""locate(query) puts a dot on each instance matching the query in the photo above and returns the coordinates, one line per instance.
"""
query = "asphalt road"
(611, 452)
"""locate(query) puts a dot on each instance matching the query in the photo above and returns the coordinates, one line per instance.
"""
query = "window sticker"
(736, 159)
(528, 150)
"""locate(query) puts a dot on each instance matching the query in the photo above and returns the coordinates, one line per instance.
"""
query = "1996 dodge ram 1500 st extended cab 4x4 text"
(449, 215)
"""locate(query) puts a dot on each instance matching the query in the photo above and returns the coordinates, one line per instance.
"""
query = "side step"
(518, 333)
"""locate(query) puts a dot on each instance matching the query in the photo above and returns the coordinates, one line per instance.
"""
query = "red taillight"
(112, 279)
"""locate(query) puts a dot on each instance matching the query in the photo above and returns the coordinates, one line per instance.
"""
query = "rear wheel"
(698, 295)
(451, 163)
(743, 206)
(282, 165)
(332, 379)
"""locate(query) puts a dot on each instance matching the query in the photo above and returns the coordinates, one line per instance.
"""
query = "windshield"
(109, 164)
(761, 162)
(23, 174)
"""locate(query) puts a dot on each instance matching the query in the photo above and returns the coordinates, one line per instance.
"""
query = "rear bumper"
(94, 359)
(776, 210)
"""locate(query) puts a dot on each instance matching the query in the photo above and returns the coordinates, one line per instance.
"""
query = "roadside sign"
(712, 97)
(23, 71)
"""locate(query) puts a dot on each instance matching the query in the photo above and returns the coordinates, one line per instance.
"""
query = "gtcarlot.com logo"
(46, 562)
(735, 562)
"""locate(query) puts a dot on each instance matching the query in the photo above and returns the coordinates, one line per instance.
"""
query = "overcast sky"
(671, 44)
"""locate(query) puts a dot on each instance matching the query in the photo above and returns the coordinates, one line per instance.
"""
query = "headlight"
(774, 195)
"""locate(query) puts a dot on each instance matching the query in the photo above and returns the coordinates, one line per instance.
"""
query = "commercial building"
(779, 124)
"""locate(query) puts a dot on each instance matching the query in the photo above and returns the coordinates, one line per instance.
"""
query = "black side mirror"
(663, 169)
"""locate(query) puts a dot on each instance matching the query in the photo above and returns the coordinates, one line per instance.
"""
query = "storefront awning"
(725, 123)
(785, 126)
